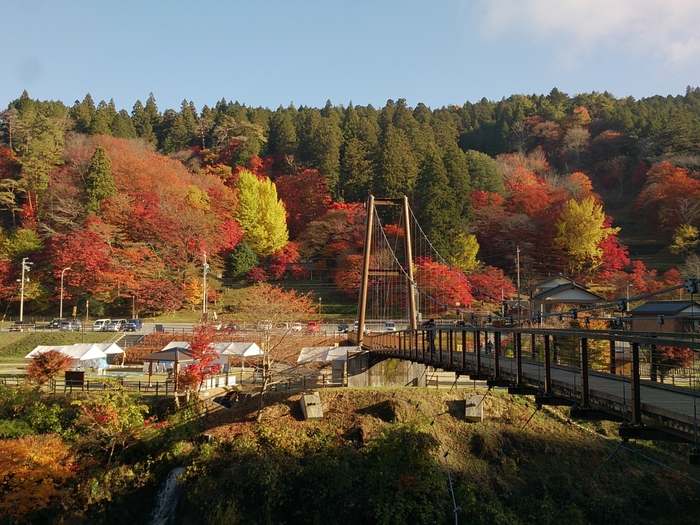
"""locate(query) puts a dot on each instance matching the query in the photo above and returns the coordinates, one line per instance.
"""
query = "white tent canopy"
(83, 355)
(241, 349)
(225, 350)
(41, 349)
(229, 349)
(110, 348)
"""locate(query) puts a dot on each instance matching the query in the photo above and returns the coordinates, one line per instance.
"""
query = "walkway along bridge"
(600, 374)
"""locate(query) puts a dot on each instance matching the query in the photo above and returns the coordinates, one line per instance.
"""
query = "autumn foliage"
(33, 471)
(46, 366)
(192, 376)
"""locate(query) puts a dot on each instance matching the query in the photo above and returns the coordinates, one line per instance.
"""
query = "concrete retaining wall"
(365, 370)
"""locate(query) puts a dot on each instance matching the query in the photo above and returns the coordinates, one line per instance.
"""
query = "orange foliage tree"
(46, 366)
(444, 287)
(306, 197)
(275, 305)
(32, 472)
(666, 187)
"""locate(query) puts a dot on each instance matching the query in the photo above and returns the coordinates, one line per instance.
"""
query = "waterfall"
(166, 501)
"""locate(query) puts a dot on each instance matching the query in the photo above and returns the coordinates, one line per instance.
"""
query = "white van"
(390, 326)
(98, 325)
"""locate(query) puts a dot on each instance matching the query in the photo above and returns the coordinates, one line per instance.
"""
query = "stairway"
(127, 340)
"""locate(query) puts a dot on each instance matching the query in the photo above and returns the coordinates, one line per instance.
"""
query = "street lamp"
(319, 309)
(60, 309)
(25, 268)
(204, 289)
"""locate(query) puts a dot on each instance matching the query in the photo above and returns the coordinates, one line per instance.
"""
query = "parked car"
(71, 325)
(356, 328)
(296, 327)
(343, 328)
(133, 325)
(313, 326)
(54, 323)
(230, 327)
(21, 326)
(390, 326)
(115, 325)
(99, 324)
(264, 325)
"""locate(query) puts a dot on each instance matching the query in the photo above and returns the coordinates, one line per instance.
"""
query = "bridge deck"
(625, 395)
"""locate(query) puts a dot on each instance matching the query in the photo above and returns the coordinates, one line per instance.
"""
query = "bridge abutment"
(367, 370)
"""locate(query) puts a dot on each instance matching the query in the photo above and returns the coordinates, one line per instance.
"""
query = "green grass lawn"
(15, 345)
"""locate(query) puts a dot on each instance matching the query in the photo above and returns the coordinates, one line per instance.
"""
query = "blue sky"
(273, 52)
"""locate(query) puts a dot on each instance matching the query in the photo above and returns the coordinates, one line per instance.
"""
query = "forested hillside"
(130, 202)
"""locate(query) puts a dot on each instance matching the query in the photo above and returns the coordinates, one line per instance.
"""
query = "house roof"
(172, 354)
(324, 354)
(79, 351)
(110, 348)
(571, 292)
(554, 281)
(690, 308)
(513, 304)
(241, 349)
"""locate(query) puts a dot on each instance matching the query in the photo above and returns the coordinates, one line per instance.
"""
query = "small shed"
(238, 350)
(516, 308)
(324, 354)
(174, 355)
(666, 316)
(337, 356)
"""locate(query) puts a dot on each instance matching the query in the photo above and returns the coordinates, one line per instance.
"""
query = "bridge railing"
(643, 370)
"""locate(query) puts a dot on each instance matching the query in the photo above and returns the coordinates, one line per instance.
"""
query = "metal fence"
(167, 387)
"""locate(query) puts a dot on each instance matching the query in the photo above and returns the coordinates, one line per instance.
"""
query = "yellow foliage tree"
(581, 228)
(466, 248)
(193, 291)
(261, 214)
(685, 239)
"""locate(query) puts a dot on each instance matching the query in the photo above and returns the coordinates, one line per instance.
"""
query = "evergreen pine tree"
(99, 182)
(142, 123)
(242, 260)
(82, 114)
(101, 124)
(484, 173)
(455, 162)
(397, 169)
(283, 134)
(173, 135)
(438, 213)
(123, 126)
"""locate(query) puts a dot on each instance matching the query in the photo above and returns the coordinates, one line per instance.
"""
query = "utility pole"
(60, 308)
(517, 261)
(25, 268)
(204, 289)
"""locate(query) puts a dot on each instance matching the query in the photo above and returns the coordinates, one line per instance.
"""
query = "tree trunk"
(263, 388)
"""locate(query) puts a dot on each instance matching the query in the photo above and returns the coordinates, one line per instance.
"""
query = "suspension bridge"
(611, 374)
